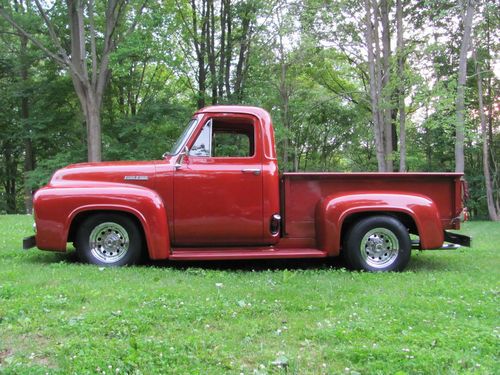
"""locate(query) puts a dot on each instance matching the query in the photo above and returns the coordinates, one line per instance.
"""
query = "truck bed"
(302, 191)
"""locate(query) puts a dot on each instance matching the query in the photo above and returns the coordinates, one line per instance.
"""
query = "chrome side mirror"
(181, 156)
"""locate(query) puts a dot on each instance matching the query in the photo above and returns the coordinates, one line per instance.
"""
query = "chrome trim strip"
(136, 178)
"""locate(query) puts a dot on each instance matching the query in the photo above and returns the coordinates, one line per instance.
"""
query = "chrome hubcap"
(109, 242)
(379, 247)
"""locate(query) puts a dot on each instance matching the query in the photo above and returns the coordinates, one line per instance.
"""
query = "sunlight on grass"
(58, 316)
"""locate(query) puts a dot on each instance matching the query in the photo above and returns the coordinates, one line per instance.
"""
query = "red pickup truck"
(219, 195)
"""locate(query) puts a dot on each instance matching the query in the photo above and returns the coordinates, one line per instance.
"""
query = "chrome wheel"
(379, 248)
(109, 242)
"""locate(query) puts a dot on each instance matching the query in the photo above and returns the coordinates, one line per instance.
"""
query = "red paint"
(213, 208)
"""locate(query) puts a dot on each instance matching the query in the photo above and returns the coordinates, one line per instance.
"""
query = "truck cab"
(225, 178)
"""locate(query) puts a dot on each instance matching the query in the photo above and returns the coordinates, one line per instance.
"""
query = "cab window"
(221, 138)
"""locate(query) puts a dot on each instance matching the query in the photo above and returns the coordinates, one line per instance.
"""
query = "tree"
(401, 87)
(375, 89)
(87, 63)
(494, 215)
(221, 47)
(462, 77)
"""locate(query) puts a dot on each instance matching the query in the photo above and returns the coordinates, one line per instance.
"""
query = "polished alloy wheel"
(109, 242)
(379, 247)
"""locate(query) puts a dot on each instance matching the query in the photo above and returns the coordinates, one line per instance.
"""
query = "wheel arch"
(156, 247)
(335, 214)
(83, 215)
(404, 217)
(57, 208)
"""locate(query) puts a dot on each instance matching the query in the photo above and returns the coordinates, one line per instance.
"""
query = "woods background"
(359, 85)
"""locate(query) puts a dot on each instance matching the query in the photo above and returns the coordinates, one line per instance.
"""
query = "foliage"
(302, 60)
(59, 316)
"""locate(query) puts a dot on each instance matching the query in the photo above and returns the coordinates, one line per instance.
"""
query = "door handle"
(255, 171)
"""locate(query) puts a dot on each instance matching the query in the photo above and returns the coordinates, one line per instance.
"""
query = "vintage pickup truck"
(219, 195)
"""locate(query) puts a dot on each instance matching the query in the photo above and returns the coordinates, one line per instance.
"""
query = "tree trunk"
(401, 91)
(202, 74)
(494, 215)
(462, 77)
(285, 116)
(229, 47)
(93, 121)
(211, 49)
(222, 62)
(244, 44)
(373, 89)
(10, 177)
(29, 157)
(386, 97)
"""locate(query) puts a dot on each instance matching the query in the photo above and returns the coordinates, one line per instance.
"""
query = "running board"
(243, 253)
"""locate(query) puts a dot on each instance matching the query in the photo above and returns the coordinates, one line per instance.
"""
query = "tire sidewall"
(352, 243)
(135, 239)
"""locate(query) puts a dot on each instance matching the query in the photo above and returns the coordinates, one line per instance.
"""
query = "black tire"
(109, 239)
(377, 244)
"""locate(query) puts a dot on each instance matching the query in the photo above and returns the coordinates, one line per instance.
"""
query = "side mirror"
(180, 158)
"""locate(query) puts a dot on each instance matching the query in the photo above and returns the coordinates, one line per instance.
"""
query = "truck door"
(218, 185)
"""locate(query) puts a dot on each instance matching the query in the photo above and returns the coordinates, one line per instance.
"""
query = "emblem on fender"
(136, 178)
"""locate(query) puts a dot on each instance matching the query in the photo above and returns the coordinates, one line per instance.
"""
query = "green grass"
(59, 316)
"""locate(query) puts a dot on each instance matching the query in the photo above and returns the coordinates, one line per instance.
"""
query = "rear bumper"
(29, 242)
(458, 239)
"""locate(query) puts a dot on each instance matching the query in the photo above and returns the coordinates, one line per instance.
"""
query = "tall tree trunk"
(285, 99)
(229, 47)
(373, 89)
(222, 61)
(211, 49)
(244, 44)
(494, 215)
(385, 96)
(29, 157)
(10, 177)
(202, 74)
(462, 76)
(401, 90)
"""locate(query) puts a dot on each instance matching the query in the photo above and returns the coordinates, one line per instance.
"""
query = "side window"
(225, 138)
(234, 140)
(203, 144)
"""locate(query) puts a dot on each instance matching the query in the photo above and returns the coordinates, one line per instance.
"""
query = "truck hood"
(135, 172)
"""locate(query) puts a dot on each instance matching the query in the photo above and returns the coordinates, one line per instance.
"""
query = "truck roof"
(256, 111)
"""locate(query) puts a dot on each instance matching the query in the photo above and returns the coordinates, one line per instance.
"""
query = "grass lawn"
(59, 316)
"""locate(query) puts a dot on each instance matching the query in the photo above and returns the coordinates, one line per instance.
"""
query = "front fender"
(332, 211)
(57, 206)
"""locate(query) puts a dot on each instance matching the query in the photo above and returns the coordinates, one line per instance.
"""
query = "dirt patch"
(4, 354)
(25, 346)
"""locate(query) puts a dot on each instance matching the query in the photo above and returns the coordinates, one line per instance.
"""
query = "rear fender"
(56, 207)
(332, 211)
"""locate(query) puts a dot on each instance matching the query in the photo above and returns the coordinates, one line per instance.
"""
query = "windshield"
(184, 136)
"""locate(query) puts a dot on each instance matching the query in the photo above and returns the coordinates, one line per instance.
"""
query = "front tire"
(109, 239)
(377, 244)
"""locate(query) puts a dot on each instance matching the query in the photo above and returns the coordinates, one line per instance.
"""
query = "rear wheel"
(109, 239)
(377, 243)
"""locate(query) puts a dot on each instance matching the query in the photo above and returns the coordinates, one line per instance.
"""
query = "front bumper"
(29, 242)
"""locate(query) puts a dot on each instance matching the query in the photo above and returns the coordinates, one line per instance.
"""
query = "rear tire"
(109, 239)
(377, 244)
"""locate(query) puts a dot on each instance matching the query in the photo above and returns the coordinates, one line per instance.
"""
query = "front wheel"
(109, 239)
(377, 243)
